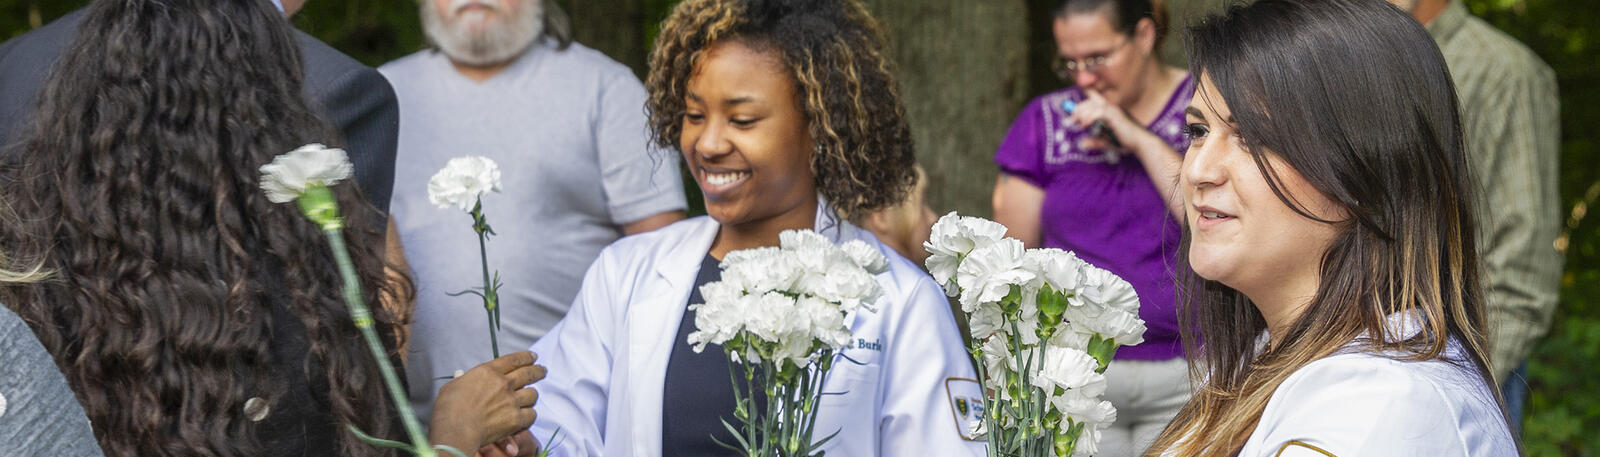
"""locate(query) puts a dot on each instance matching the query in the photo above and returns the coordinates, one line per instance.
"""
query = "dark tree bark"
(962, 69)
(614, 27)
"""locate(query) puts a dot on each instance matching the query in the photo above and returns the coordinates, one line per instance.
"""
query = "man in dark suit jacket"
(353, 96)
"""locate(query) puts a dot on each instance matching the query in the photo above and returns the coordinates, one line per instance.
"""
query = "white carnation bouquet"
(779, 313)
(1044, 324)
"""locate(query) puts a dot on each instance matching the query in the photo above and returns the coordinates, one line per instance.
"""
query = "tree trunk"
(962, 66)
(613, 27)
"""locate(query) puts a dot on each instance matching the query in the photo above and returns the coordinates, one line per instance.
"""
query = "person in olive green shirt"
(1511, 120)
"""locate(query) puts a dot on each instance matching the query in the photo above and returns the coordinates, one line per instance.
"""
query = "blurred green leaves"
(1563, 415)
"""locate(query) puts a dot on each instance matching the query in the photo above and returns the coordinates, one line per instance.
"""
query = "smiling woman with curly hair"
(787, 115)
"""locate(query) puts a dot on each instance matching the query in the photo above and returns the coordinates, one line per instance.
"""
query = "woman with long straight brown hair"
(1329, 215)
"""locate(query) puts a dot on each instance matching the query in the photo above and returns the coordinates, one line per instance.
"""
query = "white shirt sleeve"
(925, 361)
(1363, 405)
(577, 354)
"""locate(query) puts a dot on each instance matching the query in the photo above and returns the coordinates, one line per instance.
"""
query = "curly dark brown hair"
(844, 84)
(137, 183)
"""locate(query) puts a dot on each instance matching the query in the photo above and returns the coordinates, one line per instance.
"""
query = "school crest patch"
(966, 405)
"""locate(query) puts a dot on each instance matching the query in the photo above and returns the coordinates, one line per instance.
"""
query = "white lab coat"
(1358, 403)
(607, 358)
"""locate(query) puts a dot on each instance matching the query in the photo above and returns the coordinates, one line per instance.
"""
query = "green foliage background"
(1563, 415)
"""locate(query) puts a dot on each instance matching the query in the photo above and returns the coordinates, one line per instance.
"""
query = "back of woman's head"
(1355, 97)
(843, 79)
(137, 183)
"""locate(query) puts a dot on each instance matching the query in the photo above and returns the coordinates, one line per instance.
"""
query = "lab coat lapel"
(653, 323)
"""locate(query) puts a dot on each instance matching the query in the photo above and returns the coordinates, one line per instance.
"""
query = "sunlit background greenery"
(1563, 416)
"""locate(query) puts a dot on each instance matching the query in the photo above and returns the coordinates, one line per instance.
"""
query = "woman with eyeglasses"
(1092, 169)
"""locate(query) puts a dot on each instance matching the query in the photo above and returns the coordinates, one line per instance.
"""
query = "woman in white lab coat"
(787, 117)
(1330, 223)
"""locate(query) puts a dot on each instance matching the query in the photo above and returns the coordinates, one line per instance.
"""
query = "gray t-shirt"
(568, 130)
(39, 415)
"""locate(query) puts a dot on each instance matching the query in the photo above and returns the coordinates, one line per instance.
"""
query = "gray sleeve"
(38, 413)
(640, 180)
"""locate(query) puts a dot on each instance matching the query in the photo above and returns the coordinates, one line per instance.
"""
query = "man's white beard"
(484, 38)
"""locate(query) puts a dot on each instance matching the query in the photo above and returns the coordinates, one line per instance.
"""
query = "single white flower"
(1063, 270)
(1094, 413)
(769, 316)
(796, 240)
(1088, 409)
(1068, 336)
(997, 357)
(987, 319)
(1068, 368)
(866, 256)
(989, 271)
(462, 181)
(825, 321)
(837, 279)
(311, 165)
(951, 239)
(1110, 323)
(761, 270)
(1103, 288)
(720, 318)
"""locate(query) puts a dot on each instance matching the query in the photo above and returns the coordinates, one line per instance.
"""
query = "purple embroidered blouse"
(1105, 208)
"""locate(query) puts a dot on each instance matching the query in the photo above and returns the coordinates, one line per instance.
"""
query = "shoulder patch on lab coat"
(966, 404)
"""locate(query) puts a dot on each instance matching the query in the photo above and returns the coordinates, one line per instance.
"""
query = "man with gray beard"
(566, 125)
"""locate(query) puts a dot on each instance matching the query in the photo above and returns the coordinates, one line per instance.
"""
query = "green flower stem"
(363, 318)
(491, 296)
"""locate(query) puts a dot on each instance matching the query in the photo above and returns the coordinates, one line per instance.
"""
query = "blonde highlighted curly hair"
(844, 80)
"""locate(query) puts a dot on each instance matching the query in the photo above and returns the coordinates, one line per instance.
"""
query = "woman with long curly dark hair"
(787, 115)
(191, 315)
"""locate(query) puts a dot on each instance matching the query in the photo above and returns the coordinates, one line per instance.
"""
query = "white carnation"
(825, 321)
(1103, 288)
(1071, 369)
(797, 240)
(761, 270)
(951, 239)
(989, 271)
(770, 316)
(291, 173)
(1063, 270)
(997, 357)
(715, 322)
(1095, 413)
(1110, 323)
(462, 181)
(987, 319)
(866, 256)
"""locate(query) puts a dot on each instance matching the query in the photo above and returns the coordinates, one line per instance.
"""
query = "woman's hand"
(1161, 163)
(1095, 108)
(488, 402)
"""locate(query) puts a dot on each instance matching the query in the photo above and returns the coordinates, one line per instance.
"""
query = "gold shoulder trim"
(1304, 445)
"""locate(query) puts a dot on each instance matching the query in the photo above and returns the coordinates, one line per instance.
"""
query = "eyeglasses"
(1067, 68)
